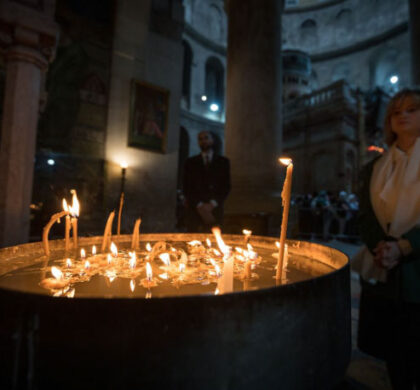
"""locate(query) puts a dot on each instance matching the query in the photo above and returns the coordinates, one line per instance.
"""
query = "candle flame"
(87, 264)
(165, 259)
(65, 206)
(164, 276)
(222, 246)
(148, 247)
(114, 249)
(278, 244)
(133, 260)
(132, 285)
(247, 232)
(82, 253)
(181, 267)
(149, 273)
(109, 258)
(94, 250)
(285, 160)
(194, 243)
(111, 276)
(216, 292)
(124, 164)
(75, 207)
(374, 148)
(56, 272)
(208, 242)
(68, 263)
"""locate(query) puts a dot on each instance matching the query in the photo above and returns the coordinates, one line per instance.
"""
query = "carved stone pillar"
(415, 41)
(253, 132)
(27, 47)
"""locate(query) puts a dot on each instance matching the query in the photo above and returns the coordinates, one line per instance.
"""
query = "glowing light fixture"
(204, 98)
(51, 162)
(214, 107)
(394, 79)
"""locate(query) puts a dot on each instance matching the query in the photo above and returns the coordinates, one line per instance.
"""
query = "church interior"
(108, 98)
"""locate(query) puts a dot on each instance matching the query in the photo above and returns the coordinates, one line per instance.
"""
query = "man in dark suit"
(206, 186)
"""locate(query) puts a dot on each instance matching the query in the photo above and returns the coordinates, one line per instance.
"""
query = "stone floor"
(364, 372)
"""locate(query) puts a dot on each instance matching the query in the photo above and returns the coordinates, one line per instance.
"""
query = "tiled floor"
(364, 372)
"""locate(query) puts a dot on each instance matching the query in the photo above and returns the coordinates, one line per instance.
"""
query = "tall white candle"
(285, 195)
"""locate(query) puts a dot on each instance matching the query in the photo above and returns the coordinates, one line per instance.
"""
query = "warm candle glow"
(132, 285)
(285, 160)
(217, 269)
(56, 272)
(148, 247)
(108, 258)
(208, 242)
(124, 164)
(181, 267)
(114, 249)
(165, 259)
(222, 246)
(87, 264)
(133, 260)
(65, 206)
(149, 273)
(247, 232)
(68, 263)
(94, 250)
(82, 253)
(75, 207)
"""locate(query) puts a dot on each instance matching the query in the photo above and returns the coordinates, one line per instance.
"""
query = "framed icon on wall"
(148, 125)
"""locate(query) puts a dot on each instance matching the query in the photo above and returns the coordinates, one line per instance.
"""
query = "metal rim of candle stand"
(179, 237)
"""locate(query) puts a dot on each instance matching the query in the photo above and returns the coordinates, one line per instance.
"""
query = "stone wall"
(155, 57)
(73, 118)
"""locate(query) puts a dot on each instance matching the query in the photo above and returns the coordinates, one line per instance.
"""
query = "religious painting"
(148, 126)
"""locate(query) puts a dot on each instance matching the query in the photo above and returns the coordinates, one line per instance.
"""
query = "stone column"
(415, 41)
(28, 47)
(253, 132)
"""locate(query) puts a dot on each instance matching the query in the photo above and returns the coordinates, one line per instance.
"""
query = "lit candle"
(56, 282)
(285, 195)
(67, 229)
(74, 210)
(247, 233)
(225, 283)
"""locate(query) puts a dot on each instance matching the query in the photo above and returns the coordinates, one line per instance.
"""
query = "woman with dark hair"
(389, 264)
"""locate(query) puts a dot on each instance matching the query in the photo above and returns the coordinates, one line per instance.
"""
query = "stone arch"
(186, 73)
(344, 17)
(214, 81)
(215, 23)
(383, 65)
(308, 31)
(343, 22)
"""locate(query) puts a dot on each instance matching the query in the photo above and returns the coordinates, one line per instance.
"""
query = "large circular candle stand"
(293, 335)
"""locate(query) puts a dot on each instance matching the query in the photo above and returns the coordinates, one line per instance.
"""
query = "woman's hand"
(387, 254)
